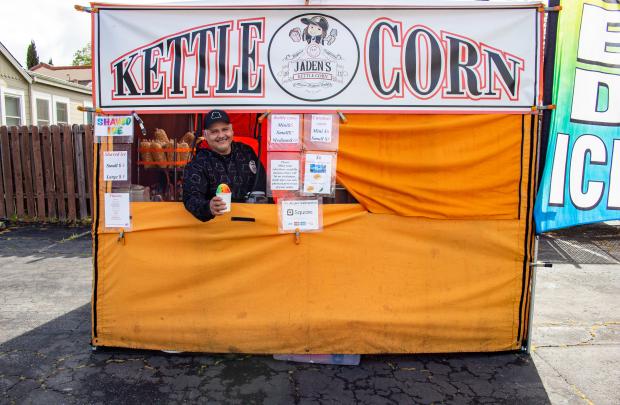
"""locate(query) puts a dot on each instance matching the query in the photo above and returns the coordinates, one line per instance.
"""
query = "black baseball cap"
(214, 116)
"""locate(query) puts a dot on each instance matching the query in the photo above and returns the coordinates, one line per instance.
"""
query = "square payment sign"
(302, 214)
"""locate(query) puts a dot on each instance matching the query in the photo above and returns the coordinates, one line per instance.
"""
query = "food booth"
(424, 240)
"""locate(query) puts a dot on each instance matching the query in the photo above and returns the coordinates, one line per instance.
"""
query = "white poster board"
(419, 57)
(319, 174)
(117, 210)
(321, 132)
(284, 175)
(304, 215)
(321, 128)
(284, 132)
(115, 165)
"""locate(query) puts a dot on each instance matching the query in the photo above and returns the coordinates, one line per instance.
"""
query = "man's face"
(219, 137)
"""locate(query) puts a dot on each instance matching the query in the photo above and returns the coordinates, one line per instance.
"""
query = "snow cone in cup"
(223, 191)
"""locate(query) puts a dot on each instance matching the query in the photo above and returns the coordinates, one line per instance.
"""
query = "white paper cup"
(226, 197)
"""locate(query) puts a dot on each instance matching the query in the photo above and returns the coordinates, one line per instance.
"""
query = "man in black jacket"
(219, 160)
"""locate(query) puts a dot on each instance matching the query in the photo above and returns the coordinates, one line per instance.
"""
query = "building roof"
(15, 63)
(54, 67)
(56, 82)
(35, 77)
(74, 74)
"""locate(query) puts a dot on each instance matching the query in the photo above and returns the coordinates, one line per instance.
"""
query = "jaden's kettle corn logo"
(313, 57)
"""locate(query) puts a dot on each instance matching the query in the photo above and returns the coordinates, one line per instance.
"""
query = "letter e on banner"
(596, 97)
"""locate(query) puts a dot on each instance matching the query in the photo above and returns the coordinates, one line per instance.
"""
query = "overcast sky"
(57, 29)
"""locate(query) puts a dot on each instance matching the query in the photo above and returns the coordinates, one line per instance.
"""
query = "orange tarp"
(369, 283)
(451, 166)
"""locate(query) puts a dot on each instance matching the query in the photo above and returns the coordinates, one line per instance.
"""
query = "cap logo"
(215, 114)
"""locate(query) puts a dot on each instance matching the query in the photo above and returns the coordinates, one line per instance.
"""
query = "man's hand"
(217, 205)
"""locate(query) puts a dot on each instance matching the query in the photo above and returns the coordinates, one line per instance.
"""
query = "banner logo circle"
(313, 57)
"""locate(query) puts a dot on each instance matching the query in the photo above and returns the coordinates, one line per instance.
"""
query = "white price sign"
(117, 210)
(285, 128)
(299, 214)
(318, 173)
(321, 128)
(115, 166)
(284, 175)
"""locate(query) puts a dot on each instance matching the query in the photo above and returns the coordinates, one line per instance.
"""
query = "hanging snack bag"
(169, 146)
(145, 154)
(160, 135)
(158, 155)
(188, 138)
(182, 153)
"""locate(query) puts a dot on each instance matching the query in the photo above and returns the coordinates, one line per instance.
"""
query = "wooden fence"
(46, 173)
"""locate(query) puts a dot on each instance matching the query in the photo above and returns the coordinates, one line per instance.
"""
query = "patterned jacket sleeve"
(195, 186)
(261, 183)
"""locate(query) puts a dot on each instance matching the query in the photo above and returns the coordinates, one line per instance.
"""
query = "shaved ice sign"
(114, 126)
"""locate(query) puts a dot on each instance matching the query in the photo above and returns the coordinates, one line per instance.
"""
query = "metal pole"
(174, 158)
(534, 262)
(533, 266)
(543, 119)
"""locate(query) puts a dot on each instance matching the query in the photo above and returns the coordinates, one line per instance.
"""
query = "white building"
(36, 98)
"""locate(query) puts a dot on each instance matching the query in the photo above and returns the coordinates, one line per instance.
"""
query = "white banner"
(400, 59)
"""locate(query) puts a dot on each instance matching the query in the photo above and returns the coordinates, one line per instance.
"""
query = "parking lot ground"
(45, 356)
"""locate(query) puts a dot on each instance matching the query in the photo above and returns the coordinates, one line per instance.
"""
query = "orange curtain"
(369, 283)
(451, 166)
(384, 281)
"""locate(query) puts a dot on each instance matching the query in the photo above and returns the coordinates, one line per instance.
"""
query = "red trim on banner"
(397, 109)
(541, 50)
(93, 58)
(523, 111)
(315, 6)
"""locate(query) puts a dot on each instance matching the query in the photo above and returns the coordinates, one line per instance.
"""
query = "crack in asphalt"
(575, 389)
(375, 380)
(592, 330)
(69, 372)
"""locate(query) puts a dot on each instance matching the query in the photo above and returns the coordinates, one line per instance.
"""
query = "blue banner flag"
(581, 179)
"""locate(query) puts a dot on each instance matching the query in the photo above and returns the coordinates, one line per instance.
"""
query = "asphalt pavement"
(45, 356)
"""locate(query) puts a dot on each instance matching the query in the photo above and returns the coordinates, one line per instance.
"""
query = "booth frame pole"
(534, 262)
(542, 137)
(533, 266)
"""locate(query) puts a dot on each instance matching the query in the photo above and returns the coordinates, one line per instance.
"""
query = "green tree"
(81, 57)
(32, 57)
